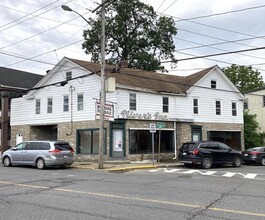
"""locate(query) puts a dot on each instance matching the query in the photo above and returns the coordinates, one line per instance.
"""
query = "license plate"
(245, 155)
(65, 156)
(184, 153)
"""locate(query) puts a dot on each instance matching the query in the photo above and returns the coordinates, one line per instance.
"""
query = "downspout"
(175, 140)
(71, 89)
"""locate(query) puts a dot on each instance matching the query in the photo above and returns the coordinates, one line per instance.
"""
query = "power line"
(218, 54)
(32, 16)
(222, 13)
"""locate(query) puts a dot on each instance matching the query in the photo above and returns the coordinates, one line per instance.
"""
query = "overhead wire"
(77, 17)
(33, 16)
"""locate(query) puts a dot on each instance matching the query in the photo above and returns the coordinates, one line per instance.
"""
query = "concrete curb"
(132, 168)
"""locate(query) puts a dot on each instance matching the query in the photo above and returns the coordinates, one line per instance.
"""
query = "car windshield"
(63, 146)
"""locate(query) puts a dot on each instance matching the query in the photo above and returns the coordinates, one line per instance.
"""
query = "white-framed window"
(49, 105)
(132, 101)
(245, 104)
(66, 103)
(80, 102)
(234, 109)
(218, 107)
(37, 107)
(68, 75)
(165, 104)
(213, 84)
(195, 106)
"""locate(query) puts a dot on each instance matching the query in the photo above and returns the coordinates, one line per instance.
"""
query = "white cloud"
(50, 28)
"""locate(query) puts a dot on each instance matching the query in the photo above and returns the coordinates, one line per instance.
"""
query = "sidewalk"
(124, 166)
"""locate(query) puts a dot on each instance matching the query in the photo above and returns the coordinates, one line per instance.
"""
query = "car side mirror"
(14, 148)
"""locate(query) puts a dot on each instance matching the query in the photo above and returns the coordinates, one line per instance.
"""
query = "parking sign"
(152, 128)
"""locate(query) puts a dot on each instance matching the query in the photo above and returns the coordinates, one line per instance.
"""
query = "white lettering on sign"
(148, 116)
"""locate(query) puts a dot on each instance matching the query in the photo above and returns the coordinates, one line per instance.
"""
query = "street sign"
(152, 128)
(108, 111)
(160, 124)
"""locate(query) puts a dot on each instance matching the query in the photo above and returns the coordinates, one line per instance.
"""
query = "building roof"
(158, 82)
(11, 78)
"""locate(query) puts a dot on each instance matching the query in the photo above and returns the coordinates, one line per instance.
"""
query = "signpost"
(153, 130)
(160, 125)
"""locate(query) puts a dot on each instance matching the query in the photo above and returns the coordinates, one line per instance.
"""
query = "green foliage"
(134, 32)
(253, 138)
(244, 77)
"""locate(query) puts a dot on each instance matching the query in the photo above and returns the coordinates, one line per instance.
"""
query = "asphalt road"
(165, 193)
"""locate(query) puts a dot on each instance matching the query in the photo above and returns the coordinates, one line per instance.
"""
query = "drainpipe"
(175, 140)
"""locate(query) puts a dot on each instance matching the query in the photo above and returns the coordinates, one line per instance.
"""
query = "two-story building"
(64, 105)
(255, 104)
(13, 83)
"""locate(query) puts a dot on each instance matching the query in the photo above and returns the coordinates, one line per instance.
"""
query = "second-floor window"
(49, 105)
(213, 84)
(65, 103)
(37, 107)
(245, 104)
(68, 75)
(234, 110)
(218, 107)
(165, 104)
(133, 101)
(195, 106)
(80, 102)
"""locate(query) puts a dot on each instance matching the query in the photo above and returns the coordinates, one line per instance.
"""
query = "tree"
(253, 138)
(244, 77)
(134, 32)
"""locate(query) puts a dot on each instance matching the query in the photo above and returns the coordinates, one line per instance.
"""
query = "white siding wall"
(145, 103)
(23, 110)
(207, 98)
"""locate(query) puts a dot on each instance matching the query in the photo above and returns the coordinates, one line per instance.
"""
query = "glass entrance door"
(117, 143)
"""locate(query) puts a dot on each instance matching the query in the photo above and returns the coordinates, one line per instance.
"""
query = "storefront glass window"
(88, 141)
(230, 138)
(141, 141)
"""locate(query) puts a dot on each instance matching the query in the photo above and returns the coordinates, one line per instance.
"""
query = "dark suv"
(208, 153)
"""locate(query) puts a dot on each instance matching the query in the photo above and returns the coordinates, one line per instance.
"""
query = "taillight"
(254, 153)
(72, 151)
(55, 151)
(195, 152)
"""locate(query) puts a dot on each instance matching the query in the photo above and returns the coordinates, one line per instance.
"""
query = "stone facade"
(68, 132)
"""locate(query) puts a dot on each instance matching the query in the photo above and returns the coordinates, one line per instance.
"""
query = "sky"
(36, 34)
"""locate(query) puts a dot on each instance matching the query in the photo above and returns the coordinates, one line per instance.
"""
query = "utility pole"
(102, 75)
(102, 92)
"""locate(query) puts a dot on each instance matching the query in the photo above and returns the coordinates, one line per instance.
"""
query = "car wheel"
(207, 162)
(237, 162)
(7, 161)
(262, 161)
(40, 164)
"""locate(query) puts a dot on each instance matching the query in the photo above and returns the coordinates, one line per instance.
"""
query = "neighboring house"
(255, 104)
(202, 106)
(13, 83)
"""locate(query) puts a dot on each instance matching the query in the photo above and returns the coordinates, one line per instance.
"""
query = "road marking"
(138, 199)
(210, 173)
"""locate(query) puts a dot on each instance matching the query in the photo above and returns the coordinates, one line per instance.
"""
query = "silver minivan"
(40, 154)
